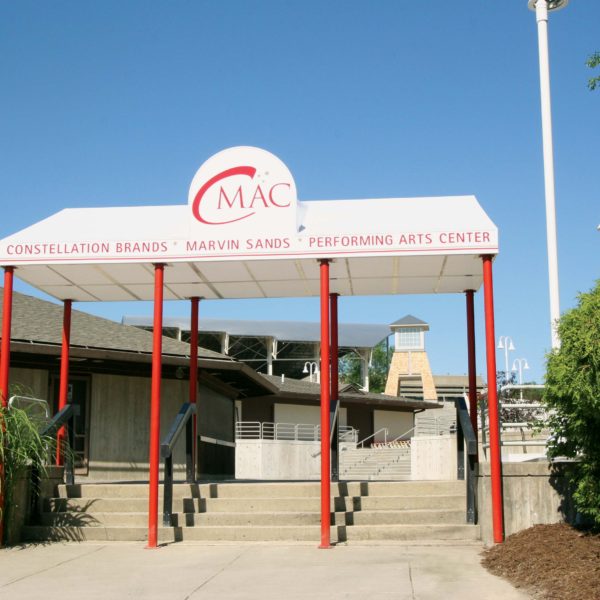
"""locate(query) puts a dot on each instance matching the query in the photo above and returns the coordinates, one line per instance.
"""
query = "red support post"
(334, 348)
(471, 360)
(495, 456)
(4, 369)
(64, 376)
(155, 406)
(335, 396)
(6, 331)
(325, 400)
(195, 303)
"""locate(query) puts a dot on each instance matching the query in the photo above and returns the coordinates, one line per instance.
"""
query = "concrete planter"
(534, 492)
(18, 514)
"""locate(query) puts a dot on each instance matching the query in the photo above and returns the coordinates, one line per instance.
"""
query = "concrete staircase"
(409, 511)
(375, 464)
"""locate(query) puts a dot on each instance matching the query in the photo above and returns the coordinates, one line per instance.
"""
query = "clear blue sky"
(118, 103)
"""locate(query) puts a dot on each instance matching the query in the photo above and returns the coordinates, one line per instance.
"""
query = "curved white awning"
(244, 234)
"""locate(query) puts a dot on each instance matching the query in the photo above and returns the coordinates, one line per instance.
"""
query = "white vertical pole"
(269, 344)
(541, 13)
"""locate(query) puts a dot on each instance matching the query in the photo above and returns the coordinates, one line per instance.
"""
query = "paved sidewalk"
(112, 571)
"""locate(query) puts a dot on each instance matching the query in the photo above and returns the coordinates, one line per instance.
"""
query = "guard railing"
(65, 416)
(466, 441)
(182, 422)
(385, 431)
(523, 415)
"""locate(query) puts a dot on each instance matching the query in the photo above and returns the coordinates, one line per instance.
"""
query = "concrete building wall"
(409, 365)
(298, 413)
(433, 458)
(533, 493)
(120, 425)
(277, 460)
(30, 382)
(216, 415)
(397, 423)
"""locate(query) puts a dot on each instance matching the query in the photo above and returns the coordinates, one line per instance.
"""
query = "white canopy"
(244, 234)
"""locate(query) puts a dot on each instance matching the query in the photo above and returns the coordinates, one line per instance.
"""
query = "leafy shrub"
(573, 393)
(21, 447)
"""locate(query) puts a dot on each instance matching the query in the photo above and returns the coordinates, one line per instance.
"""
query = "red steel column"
(325, 400)
(195, 302)
(490, 350)
(64, 376)
(6, 327)
(4, 369)
(335, 372)
(334, 347)
(471, 359)
(155, 406)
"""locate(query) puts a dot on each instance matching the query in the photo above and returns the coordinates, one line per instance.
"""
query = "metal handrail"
(182, 420)
(385, 434)
(402, 435)
(64, 416)
(522, 386)
(30, 399)
(347, 431)
(466, 438)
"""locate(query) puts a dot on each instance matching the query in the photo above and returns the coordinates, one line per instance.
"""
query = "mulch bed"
(550, 562)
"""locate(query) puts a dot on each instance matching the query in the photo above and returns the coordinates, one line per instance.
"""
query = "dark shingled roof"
(302, 389)
(40, 322)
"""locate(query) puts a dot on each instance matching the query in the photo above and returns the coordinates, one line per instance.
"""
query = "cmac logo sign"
(241, 184)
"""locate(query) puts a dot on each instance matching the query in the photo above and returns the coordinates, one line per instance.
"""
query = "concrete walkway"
(111, 571)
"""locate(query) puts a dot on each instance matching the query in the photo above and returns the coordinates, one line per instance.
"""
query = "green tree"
(378, 369)
(592, 62)
(573, 393)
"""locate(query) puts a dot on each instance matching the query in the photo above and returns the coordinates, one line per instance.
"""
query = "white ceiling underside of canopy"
(440, 263)
(258, 279)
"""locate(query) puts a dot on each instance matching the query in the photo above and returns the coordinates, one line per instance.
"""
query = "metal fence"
(517, 417)
(305, 432)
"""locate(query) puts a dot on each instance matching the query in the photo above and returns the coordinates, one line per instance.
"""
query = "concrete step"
(97, 534)
(431, 516)
(124, 490)
(251, 533)
(93, 505)
(409, 532)
(139, 519)
(415, 517)
(241, 505)
(382, 477)
(260, 489)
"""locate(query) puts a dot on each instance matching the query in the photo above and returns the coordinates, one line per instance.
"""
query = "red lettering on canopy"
(196, 205)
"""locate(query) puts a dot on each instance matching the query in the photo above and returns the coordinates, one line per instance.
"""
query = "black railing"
(65, 416)
(466, 440)
(182, 421)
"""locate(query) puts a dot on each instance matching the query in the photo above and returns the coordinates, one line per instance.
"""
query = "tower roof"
(410, 321)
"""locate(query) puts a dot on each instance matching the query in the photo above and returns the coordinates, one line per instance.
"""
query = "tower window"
(409, 338)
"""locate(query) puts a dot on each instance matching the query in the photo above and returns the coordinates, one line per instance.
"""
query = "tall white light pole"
(505, 343)
(520, 364)
(541, 8)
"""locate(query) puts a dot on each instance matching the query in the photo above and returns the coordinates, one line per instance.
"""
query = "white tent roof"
(254, 239)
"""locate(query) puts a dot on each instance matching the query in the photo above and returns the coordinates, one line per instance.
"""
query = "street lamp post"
(541, 8)
(520, 364)
(505, 343)
(311, 368)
